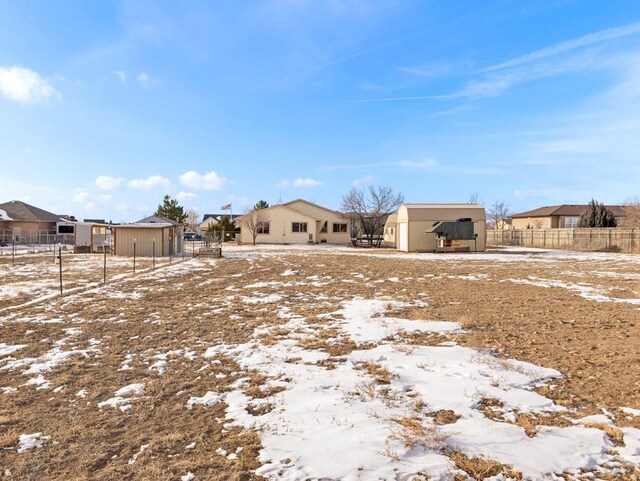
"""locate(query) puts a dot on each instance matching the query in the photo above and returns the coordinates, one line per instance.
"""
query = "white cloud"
(366, 180)
(150, 183)
(283, 183)
(306, 182)
(182, 196)
(122, 75)
(562, 47)
(104, 182)
(208, 181)
(144, 79)
(430, 70)
(425, 164)
(81, 196)
(25, 86)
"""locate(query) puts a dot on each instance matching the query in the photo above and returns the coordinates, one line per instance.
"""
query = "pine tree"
(224, 225)
(261, 204)
(597, 215)
(171, 210)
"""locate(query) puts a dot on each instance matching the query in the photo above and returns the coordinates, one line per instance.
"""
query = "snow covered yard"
(324, 363)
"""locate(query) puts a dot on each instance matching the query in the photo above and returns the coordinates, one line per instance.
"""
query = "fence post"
(134, 256)
(153, 255)
(104, 275)
(60, 257)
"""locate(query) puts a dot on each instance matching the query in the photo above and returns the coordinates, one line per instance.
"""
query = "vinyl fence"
(610, 240)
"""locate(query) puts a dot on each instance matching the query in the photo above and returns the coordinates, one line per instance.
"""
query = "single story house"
(564, 216)
(298, 222)
(437, 228)
(211, 219)
(151, 236)
(25, 223)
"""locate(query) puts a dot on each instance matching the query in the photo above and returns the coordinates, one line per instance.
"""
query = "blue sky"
(107, 106)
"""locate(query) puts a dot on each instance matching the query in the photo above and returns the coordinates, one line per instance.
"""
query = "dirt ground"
(576, 314)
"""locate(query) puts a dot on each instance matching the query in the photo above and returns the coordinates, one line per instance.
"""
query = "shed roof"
(156, 219)
(21, 211)
(145, 225)
(445, 212)
(565, 210)
(392, 220)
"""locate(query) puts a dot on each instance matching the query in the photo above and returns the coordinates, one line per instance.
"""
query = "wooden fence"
(606, 240)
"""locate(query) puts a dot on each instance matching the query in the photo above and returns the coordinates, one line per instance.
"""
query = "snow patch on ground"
(344, 423)
(123, 396)
(6, 350)
(31, 441)
(208, 400)
(586, 291)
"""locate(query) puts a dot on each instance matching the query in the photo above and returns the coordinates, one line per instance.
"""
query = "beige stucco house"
(564, 216)
(298, 222)
(437, 227)
(152, 236)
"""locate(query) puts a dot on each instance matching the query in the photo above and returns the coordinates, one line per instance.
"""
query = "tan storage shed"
(390, 228)
(414, 221)
(164, 234)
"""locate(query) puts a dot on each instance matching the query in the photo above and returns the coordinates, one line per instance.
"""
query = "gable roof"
(156, 219)
(311, 204)
(289, 208)
(571, 210)
(217, 217)
(392, 220)
(21, 211)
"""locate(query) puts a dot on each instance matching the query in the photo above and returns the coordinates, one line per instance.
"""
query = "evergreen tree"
(171, 210)
(261, 204)
(224, 225)
(597, 215)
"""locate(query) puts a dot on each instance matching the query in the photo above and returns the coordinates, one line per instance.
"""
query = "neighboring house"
(299, 222)
(211, 219)
(151, 236)
(24, 222)
(437, 227)
(564, 216)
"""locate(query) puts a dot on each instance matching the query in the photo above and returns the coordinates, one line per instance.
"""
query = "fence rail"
(608, 240)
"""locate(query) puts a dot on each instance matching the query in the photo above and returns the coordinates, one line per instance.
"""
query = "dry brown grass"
(613, 433)
(444, 416)
(377, 371)
(479, 468)
(549, 327)
(412, 432)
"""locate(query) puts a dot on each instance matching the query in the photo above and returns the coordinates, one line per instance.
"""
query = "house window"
(298, 227)
(571, 222)
(263, 228)
(339, 228)
(324, 228)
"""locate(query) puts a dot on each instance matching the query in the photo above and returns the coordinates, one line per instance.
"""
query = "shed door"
(403, 239)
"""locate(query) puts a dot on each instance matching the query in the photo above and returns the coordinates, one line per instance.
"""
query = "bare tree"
(498, 214)
(256, 221)
(368, 211)
(192, 220)
(474, 198)
(631, 210)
